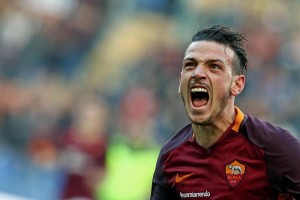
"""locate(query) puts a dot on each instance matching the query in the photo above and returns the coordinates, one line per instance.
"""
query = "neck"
(207, 135)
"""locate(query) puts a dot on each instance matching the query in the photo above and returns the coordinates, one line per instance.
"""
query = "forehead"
(206, 50)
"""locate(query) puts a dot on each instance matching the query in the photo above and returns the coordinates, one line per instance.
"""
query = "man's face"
(207, 82)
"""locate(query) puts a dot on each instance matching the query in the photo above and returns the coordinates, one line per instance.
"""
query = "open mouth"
(199, 96)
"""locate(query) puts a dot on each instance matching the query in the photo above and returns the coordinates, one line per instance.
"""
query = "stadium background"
(107, 70)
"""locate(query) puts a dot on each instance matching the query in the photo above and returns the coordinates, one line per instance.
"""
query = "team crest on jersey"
(234, 172)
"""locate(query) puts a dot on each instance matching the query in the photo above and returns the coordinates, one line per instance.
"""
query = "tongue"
(199, 102)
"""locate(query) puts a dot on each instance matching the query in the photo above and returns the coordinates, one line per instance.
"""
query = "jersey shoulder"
(281, 150)
(176, 140)
(160, 181)
(265, 134)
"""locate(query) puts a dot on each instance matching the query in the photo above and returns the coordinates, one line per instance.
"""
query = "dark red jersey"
(252, 160)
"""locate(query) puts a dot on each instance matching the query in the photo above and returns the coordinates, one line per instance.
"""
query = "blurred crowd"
(88, 88)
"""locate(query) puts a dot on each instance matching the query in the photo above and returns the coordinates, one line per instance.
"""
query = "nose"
(199, 72)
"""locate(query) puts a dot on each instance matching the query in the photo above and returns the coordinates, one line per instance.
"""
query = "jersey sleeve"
(282, 155)
(283, 164)
(161, 184)
(161, 190)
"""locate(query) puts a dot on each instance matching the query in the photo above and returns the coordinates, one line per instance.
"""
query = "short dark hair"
(227, 36)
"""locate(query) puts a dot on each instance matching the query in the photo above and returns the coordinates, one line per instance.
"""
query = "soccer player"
(223, 153)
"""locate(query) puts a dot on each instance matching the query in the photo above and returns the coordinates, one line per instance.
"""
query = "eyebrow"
(190, 59)
(207, 61)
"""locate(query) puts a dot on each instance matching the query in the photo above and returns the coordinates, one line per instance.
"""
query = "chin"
(200, 121)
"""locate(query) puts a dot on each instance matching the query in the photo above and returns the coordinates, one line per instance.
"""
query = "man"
(223, 153)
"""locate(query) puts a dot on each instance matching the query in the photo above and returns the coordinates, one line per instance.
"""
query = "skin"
(209, 65)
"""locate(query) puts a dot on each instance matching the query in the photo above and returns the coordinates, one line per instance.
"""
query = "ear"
(238, 84)
(179, 89)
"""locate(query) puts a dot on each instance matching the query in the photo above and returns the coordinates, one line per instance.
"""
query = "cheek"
(183, 87)
(183, 81)
(222, 87)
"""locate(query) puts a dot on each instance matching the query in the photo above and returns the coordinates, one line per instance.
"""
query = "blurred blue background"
(88, 88)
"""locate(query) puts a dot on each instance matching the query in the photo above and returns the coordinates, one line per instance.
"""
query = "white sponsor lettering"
(194, 194)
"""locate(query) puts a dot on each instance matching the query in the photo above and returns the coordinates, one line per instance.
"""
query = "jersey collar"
(238, 119)
(237, 122)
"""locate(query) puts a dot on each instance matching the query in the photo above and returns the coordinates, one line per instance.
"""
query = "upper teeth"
(199, 90)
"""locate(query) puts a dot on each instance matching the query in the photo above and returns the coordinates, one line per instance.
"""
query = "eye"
(189, 65)
(215, 66)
